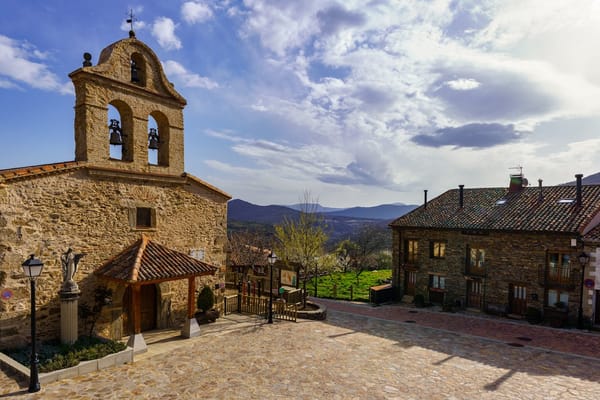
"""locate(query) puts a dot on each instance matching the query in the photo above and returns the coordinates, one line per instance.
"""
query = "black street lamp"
(272, 258)
(316, 274)
(33, 268)
(583, 260)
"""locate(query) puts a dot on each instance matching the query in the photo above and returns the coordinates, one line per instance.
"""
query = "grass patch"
(345, 281)
(54, 355)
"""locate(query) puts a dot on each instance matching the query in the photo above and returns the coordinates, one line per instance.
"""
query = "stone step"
(407, 298)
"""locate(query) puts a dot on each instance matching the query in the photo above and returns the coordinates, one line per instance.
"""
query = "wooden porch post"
(136, 294)
(191, 297)
(191, 328)
(136, 340)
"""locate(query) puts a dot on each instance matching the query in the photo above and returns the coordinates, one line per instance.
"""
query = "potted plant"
(205, 302)
(556, 316)
(533, 315)
(419, 301)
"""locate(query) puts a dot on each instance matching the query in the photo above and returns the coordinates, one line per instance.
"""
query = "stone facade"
(90, 204)
(505, 251)
(523, 265)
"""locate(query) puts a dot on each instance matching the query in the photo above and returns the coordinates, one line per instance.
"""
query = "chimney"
(516, 183)
(541, 193)
(460, 195)
(425, 198)
(578, 178)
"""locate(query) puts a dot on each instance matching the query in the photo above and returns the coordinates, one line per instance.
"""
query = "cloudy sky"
(358, 102)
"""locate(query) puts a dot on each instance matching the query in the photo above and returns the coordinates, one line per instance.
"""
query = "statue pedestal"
(68, 315)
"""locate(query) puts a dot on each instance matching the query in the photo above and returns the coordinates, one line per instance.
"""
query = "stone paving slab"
(519, 333)
(348, 356)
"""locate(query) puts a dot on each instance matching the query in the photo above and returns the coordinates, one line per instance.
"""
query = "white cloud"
(186, 78)
(163, 30)
(16, 64)
(196, 12)
(463, 84)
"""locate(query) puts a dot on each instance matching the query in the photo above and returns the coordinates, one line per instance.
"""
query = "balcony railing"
(559, 277)
(471, 270)
(410, 266)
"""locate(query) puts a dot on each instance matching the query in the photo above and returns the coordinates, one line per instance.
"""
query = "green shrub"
(206, 299)
(53, 355)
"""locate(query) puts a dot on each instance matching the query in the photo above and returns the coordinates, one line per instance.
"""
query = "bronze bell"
(153, 139)
(134, 72)
(115, 133)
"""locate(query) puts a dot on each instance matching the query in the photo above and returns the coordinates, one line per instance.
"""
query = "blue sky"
(357, 102)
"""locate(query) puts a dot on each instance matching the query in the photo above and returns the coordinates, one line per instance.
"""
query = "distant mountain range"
(241, 210)
(341, 223)
(593, 179)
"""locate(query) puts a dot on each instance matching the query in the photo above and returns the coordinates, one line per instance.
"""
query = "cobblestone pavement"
(348, 356)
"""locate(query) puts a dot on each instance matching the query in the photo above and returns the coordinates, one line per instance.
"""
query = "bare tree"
(362, 252)
(301, 239)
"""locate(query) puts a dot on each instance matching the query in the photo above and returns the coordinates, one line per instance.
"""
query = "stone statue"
(69, 262)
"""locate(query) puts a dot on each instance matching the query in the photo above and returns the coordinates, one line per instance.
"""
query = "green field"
(345, 281)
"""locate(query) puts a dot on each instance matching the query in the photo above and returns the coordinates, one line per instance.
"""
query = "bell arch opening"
(158, 139)
(120, 131)
(138, 69)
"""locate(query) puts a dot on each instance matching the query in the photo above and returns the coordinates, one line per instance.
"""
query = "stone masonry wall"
(48, 214)
(510, 258)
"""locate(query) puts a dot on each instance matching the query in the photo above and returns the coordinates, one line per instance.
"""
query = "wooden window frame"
(437, 249)
(411, 251)
(134, 218)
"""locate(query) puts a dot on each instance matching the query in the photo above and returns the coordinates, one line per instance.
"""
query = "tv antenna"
(520, 168)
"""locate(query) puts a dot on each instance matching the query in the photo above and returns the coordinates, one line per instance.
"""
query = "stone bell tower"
(130, 78)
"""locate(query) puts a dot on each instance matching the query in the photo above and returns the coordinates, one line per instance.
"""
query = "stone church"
(142, 227)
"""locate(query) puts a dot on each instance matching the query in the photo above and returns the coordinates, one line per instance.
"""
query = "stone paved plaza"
(348, 356)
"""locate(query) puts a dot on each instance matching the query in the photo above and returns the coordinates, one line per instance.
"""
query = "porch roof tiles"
(148, 261)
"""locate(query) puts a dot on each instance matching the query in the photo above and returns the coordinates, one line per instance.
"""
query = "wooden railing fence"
(259, 306)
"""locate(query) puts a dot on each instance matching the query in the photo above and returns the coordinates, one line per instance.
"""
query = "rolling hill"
(341, 223)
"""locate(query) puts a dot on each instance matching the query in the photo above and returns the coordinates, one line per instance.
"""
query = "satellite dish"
(525, 182)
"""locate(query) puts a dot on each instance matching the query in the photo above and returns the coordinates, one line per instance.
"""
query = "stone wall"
(510, 258)
(91, 214)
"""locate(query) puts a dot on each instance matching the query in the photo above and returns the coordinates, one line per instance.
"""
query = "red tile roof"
(497, 209)
(146, 261)
(34, 170)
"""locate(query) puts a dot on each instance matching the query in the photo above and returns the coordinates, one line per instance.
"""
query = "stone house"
(150, 232)
(503, 250)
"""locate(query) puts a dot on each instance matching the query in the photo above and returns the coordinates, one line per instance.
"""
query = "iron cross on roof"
(130, 21)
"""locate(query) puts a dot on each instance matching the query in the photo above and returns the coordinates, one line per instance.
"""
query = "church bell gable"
(143, 132)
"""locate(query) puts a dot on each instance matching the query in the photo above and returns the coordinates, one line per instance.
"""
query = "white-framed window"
(557, 296)
(437, 282)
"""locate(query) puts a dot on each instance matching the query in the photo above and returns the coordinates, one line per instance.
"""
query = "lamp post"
(33, 268)
(271, 258)
(583, 260)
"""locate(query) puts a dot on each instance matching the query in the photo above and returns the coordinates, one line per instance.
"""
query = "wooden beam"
(136, 294)
(191, 297)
